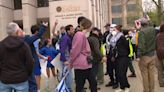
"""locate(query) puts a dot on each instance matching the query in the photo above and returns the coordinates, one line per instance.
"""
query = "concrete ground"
(136, 83)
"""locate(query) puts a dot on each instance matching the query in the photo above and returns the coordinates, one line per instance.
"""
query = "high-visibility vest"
(102, 49)
(137, 39)
(130, 48)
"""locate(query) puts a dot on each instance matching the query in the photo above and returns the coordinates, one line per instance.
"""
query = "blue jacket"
(31, 39)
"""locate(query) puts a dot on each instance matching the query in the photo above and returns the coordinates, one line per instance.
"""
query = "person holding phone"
(146, 53)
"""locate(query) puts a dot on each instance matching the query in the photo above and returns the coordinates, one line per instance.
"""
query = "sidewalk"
(136, 83)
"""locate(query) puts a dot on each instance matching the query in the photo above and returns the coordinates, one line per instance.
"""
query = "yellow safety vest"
(102, 49)
(130, 47)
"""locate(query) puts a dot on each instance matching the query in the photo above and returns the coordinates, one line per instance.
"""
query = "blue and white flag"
(62, 87)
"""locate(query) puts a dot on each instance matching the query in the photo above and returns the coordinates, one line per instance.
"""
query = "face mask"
(111, 29)
(114, 33)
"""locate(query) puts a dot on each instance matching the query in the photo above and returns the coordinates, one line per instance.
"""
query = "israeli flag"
(62, 87)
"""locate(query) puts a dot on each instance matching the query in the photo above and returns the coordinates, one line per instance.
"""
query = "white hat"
(113, 25)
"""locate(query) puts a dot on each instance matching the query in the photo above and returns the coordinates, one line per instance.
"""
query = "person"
(104, 37)
(50, 52)
(65, 45)
(111, 65)
(79, 19)
(80, 58)
(133, 34)
(100, 74)
(160, 55)
(95, 50)
(16, 61)
(131, 54)
(146, 53)
(120, 57)
(34, 85)
(107, 31)
(34, 31)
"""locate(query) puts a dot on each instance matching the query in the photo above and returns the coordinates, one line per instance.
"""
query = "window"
(17, 4)
(117, 21)
(131, 7)
(43, 3)
(116, 1)
(131, 19)
(116, 9)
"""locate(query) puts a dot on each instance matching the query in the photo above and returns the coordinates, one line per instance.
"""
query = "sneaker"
(132, 75)
(115, 86)
(106, 73)
(119, 90)
(98, 88)
(127, 90)
(109, 84)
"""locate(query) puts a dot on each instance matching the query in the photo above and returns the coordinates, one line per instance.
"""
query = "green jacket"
(146, 44)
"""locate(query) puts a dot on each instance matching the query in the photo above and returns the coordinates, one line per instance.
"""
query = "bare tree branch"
(155, 3)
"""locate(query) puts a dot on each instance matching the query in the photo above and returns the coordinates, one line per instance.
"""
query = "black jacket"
(122, 47)
(95, 47)
(16, 61)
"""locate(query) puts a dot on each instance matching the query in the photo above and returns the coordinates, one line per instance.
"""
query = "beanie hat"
(144, 21)
(85, 24)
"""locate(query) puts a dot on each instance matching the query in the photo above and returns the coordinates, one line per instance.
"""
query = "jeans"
(20, 87)
(69, 78)
(32, 83)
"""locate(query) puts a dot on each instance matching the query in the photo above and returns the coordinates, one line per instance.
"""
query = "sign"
(67, 11)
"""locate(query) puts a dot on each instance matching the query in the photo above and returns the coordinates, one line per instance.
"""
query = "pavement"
(136, 83)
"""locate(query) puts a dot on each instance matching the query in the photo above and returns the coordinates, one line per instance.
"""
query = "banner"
(57, 63)
(62, 87)
(43, 65)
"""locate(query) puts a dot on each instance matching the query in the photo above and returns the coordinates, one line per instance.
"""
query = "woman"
(121, 51)
(79, 58)
(50, 52)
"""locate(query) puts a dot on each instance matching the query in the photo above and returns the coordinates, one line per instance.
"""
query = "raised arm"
(54, 28)
(31, 39)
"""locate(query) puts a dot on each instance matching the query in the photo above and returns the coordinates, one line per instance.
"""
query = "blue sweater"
(65, 47)
(49, 51)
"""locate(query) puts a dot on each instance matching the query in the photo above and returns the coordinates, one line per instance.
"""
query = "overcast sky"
(148, 5)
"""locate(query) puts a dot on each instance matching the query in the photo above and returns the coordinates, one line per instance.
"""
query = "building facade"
(124, 12)
(30, 12)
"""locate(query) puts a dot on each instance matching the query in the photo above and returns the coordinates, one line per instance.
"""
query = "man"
(33, 87)
(37, 72)
(95, 50)
(146, 53)
(16, 62)
(160, 54)
(65, 47)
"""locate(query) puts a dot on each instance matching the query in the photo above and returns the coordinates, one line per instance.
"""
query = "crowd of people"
(83, 49)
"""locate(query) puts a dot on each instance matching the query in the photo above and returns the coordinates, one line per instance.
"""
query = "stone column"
(6, 16)
(29, 9)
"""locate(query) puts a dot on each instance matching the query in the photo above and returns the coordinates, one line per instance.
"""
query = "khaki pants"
(147, 66)
(160, 67)
(100, 74)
